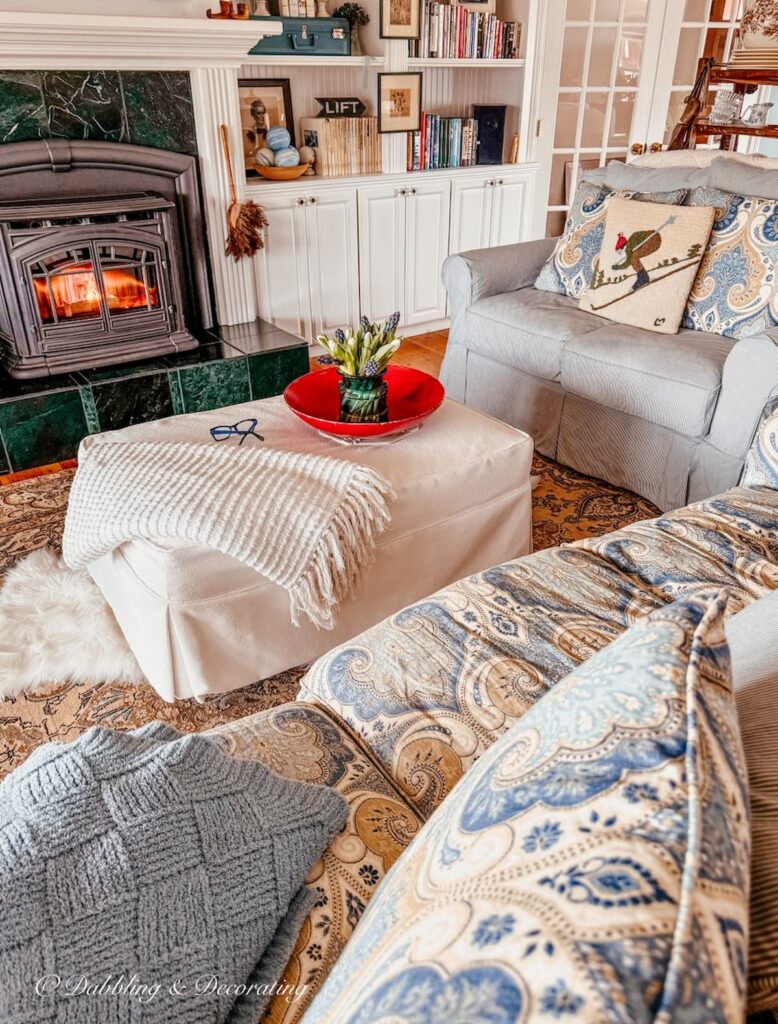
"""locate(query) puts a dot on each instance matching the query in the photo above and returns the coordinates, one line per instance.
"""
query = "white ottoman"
(200, 622)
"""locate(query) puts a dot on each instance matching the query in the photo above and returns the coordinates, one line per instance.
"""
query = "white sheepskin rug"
(56, 626)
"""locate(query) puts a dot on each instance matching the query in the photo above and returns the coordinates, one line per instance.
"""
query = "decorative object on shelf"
(229, 11)
(259, 9)
(273, 173)
(321, 9)
(265, 105)
(245, 221)
(756, 115)
(399, 101)
(278, 138)
(306, 36)
(480, 6)
(412, 396)
(491, 133)
(265, 157)
(758, 35)
(400, 19)
(343, 145)
(287, 157)
(726, 107)
(513, 156)
(355, 16)
(336, 106)
(308, 157)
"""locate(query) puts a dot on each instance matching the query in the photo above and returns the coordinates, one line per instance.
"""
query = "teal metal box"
(308, 37)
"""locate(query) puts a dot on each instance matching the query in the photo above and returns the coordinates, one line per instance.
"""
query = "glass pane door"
(606, 80)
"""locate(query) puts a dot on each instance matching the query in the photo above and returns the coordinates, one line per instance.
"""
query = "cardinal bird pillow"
(647, 263)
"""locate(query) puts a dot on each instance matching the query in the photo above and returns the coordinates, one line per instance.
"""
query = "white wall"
(141, 8)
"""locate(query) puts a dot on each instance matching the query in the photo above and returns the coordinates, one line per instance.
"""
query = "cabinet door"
(382, 250)
(471, 204)
(509, 198)
(282, 266)
(331, 219)
(427, 208)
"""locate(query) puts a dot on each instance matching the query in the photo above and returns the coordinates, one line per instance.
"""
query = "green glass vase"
(363, 399)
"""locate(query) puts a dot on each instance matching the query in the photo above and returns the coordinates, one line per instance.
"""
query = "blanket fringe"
(345, 549)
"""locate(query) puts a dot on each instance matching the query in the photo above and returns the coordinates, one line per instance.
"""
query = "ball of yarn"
(278, 138)
(265, 156)
(287, 157)
(307, 155)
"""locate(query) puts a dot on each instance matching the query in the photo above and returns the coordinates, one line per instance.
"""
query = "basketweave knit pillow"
(761, 468)
(736, 289)
(592, 866)
(647, 263)
(148, 876)
(569, 268)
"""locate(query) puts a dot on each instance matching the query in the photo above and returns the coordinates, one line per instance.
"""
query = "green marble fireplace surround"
(43, 420)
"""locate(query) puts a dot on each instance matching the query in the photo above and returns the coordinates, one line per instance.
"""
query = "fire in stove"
(77, 293)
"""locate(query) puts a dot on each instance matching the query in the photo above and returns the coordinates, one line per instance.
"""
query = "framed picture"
(399, 101)
(265, 103)
(400, 19)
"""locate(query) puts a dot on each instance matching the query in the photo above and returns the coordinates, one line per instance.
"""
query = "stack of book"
(442, 142)
(449, 30)
(343, 145)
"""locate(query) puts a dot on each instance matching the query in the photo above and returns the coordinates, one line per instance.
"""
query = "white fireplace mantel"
(91, 42)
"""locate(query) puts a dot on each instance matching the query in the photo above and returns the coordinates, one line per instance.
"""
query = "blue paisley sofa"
(396, 717)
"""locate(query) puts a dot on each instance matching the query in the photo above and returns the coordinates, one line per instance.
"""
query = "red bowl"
(412, 396)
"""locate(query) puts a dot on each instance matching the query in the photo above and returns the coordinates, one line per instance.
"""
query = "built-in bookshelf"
(451, 85)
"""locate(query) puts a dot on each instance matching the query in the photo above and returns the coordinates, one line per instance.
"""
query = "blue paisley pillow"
(735, 292)
(761, 468)
(593, 865)
(568, 270)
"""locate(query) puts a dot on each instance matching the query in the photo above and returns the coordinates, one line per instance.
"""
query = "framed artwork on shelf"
(400, 19)
(265, 103)
(399, 101)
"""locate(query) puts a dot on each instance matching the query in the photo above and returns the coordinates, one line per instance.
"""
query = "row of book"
(343, 145)
(450, 30)
(442, 142)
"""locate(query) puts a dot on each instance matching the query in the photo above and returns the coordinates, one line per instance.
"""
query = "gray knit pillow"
(149, 876)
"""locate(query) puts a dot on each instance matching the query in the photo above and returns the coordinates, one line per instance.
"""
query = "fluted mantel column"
(215, 96)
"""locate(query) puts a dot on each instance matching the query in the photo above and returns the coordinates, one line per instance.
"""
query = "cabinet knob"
(312, 200)
(411, 191)
(402, 191)
(499, 181)
(301, 201)
(656, 147)
(637, 148)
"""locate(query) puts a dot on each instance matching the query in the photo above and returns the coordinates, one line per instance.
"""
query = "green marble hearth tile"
(5, 462)
(120, 403)
(90, 410)
(22, 111)
(85, 105)
(159, 110)
(40, 430)
(176, 394)
(214, 385)
(271, 372)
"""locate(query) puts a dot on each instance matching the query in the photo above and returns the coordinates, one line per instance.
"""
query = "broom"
(245, 221)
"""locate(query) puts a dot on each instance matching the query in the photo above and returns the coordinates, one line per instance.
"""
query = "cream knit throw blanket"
(306, 522)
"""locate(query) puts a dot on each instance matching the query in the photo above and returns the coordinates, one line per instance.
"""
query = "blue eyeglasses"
(243, 429)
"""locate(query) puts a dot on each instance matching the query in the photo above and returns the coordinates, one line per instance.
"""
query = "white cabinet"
(489, 210)
(403, 240)
(307, 274)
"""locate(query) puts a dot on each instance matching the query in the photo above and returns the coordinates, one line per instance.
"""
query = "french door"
(615, 76)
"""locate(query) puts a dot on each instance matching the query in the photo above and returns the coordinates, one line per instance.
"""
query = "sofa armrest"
(749, 379)
(473, 275)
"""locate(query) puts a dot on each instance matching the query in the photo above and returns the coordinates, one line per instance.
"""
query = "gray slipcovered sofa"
(668, 416)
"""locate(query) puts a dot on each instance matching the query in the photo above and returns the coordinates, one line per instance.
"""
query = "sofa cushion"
(670, 380)
(527, 329)
(306, 744)
(432, 687)
(761, 468)
(593, 866)
(736, 289)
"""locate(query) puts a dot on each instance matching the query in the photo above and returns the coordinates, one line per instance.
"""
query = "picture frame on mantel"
(264, 103)
(400, 19)
(399, 101)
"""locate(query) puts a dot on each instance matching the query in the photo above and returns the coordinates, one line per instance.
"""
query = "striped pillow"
(753, 641)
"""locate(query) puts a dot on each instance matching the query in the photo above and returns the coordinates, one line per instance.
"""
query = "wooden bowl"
(281, 173)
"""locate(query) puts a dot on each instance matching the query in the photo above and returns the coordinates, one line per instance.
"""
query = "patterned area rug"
(566, 507)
